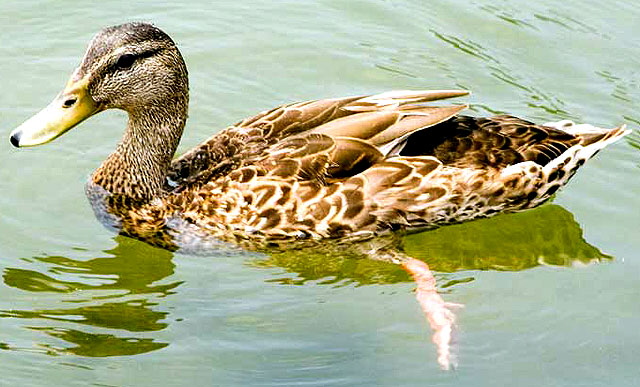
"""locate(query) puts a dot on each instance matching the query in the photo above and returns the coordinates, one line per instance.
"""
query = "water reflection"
(107, 306)
(132, 267)
(100, 345)
(548, 235)
(129, 270)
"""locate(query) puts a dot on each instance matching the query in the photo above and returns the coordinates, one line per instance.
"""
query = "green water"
(550, 295)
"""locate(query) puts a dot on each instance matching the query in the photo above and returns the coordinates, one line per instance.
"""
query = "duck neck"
(140, 163)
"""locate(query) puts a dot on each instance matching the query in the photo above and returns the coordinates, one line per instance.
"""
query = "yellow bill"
(72, 106)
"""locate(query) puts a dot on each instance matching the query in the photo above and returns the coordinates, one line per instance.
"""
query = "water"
(550, 295)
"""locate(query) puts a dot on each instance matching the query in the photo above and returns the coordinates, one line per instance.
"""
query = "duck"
(352, 167)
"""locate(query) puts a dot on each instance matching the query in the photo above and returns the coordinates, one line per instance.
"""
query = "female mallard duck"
(344, 167)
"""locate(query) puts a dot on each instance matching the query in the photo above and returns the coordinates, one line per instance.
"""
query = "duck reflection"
(547, 235)
(129, 270)
(121, 290)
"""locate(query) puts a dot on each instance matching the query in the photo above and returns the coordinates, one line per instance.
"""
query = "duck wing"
(382, 120)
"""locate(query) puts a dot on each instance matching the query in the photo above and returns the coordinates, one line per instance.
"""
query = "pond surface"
(550, 295)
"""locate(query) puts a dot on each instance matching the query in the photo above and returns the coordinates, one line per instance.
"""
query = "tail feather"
(590, 134)
(558, 172)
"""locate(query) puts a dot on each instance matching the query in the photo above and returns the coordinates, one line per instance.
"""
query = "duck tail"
(593, 139)
(590, 134)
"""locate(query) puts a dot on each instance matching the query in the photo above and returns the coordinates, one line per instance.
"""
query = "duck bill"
(72, 106)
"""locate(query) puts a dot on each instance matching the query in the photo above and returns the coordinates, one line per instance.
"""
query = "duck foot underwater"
(389, 248)
(438, 313)
(327, 169)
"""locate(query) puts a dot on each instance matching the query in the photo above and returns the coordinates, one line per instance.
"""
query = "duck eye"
(125, 61)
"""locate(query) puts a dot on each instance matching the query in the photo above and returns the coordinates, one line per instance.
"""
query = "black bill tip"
(15, 139)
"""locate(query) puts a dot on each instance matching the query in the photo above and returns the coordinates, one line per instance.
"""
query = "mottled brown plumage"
(333, 168)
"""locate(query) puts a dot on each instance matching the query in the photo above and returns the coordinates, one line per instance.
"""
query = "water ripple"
(465, 45)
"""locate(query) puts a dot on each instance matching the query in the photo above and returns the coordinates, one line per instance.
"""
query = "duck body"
(350, 167)
(277, 179)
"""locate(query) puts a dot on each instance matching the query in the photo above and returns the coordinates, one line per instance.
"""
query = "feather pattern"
(362, 166)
